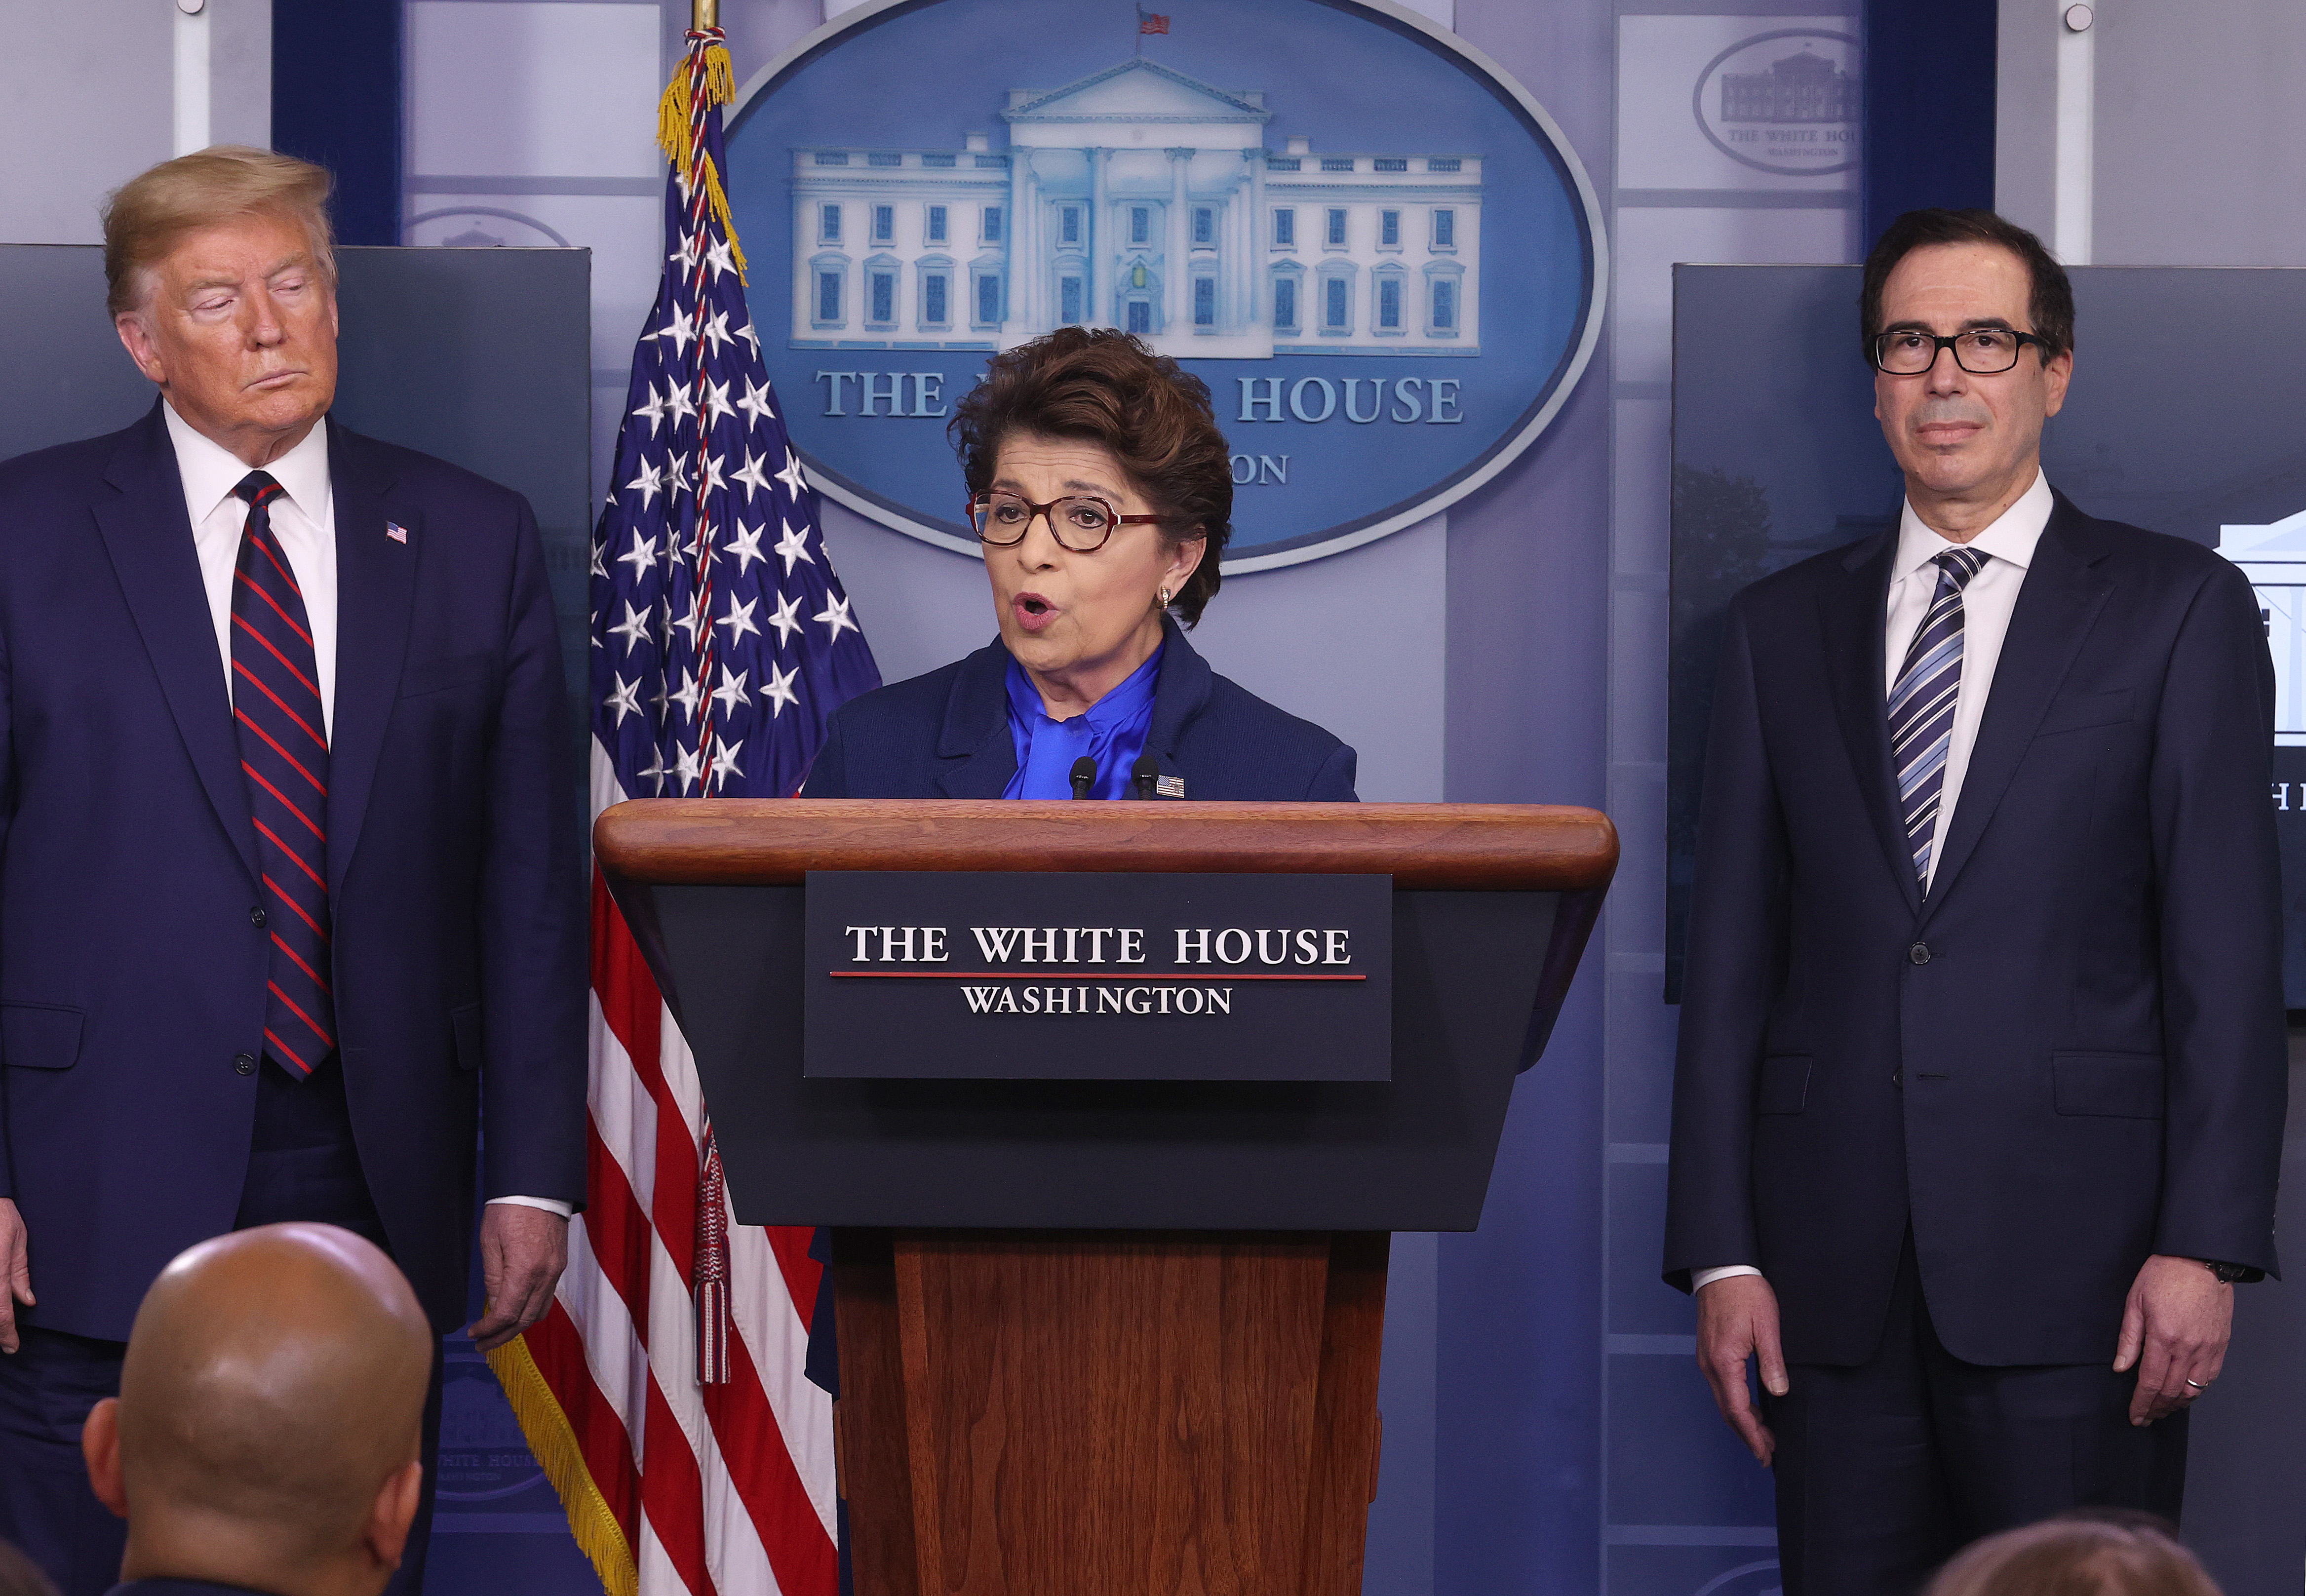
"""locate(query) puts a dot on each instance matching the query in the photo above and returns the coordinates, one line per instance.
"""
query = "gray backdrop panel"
(479, 356)
(2184, 417)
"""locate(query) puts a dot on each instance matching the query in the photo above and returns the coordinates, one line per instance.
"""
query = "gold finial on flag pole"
(704, 14)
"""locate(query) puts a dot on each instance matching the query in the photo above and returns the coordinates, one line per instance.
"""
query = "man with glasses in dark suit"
(1978, 1110)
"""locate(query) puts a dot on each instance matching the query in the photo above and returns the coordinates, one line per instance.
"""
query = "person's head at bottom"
(2085, 1553)
(267, 1430)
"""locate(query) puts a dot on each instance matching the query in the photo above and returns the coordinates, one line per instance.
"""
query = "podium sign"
(1076, 975)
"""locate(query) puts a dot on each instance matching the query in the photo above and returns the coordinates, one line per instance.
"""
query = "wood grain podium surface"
(1434, 847)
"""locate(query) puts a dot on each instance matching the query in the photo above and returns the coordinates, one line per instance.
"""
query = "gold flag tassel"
(677, 119)
(552, 1440)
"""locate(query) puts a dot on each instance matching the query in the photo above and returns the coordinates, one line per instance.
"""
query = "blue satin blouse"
(1111, 731)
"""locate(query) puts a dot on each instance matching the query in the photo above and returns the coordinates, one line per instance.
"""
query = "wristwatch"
(2228, 1273)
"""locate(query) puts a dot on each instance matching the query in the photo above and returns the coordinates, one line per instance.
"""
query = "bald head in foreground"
(265, 1436)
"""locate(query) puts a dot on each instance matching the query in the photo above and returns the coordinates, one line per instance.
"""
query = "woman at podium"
(1101, 491)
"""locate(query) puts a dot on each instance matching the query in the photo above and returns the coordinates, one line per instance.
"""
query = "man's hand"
(523, 1250)
(15, 1269)
(2175, 1330)
(1738, 1319)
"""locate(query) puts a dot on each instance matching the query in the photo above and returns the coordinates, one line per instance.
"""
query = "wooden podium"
(1112, 1336)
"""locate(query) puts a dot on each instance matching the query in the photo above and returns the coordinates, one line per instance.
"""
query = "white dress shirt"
(305, 520)
(1986, 606)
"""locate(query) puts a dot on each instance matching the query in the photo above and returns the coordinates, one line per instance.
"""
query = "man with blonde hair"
(290, 883)
(265, 1435)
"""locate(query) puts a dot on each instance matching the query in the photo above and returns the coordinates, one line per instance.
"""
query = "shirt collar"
(1132, 695)
(2011, 536)
(211, 472)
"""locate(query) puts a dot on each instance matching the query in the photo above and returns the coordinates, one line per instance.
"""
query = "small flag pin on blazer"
(395, 531)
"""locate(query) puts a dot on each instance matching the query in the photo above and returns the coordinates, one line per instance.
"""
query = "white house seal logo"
(1784, 101)
(1375, 249)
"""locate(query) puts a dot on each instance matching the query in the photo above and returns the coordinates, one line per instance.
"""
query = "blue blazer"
(946, 735)
(131, 978)
(2071, 1053)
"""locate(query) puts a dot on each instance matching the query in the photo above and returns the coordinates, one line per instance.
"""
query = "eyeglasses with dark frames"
(1080, 522)
(1981, 350)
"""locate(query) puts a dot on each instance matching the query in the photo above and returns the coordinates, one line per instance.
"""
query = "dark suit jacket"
(177, 1587)
(946, 735)
(130, 975)
(2071, 1055)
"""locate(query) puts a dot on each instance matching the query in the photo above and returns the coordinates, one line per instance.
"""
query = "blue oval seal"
(1374, 246)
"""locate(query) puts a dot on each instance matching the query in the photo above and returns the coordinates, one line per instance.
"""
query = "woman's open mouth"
(1032, 611)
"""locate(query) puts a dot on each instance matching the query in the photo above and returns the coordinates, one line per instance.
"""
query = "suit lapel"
(1855, 614)
(149, 537)
(2057, 604)
(976, 731)
(376, 587)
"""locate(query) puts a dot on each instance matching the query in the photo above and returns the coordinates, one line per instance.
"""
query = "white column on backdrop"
(191, 77)
(1029, 247)
(1251, 234)
(2076, 130)
(1014, 241)
(1175, 312)
(1102, 311)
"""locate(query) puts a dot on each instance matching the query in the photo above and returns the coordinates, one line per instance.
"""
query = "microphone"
(1142, 775)
(1084, 776)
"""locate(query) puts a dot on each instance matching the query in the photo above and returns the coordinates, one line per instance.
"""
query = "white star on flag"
(835, 614)
(716, 405)
(624, 700)
(642, 555)
(778, 690)
(739, 619)
(724, 762)
(755, 402)
(787, 618)
(732, 692)
(650, 483)
(751, 475)
(745, 548)
(653, 408)
(635, 626)
(794, 547)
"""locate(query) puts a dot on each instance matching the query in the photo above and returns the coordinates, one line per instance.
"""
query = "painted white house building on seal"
(1143, 198)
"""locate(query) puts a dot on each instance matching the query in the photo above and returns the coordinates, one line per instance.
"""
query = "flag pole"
(704, 14)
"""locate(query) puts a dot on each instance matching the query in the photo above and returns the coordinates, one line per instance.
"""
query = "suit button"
(256, 916)
(1896, 1077)
(243, 1064)
(1920, 953)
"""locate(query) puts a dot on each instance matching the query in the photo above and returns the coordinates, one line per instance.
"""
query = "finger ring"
(2197, 1385)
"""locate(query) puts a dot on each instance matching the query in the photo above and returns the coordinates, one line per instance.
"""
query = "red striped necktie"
(284, 753)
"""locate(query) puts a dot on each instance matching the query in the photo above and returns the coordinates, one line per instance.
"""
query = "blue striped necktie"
(1922, 704)
(284, 756)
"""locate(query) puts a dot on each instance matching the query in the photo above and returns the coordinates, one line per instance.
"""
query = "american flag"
(665, 1391)
(1151, 21)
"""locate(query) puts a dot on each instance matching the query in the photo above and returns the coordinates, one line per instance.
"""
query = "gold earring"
(1164, 599)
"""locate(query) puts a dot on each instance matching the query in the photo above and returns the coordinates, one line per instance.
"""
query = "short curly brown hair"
(1106, 388)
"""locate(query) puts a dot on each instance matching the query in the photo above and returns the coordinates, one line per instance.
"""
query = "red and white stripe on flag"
(671, 1485)
(665, 1391)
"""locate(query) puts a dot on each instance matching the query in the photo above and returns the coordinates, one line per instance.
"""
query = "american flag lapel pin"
(395, 531)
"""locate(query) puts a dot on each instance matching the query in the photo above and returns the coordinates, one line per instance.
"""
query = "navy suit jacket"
(178, 1587)
(2069, 1054)
(132, 976)
(946, 735)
